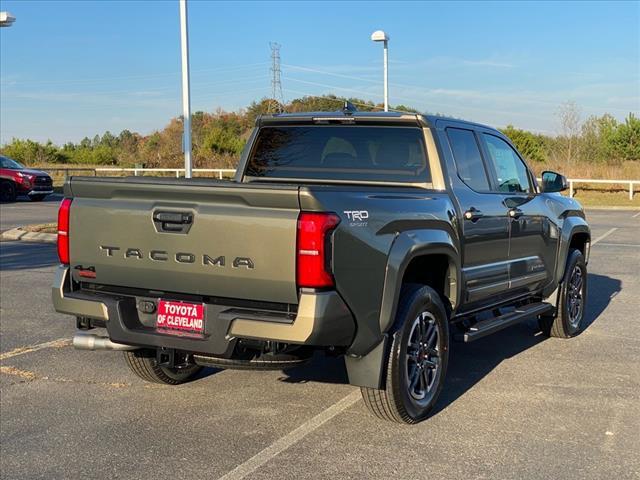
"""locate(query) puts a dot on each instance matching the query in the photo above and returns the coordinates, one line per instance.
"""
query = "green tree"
(530, 145)
(326, 103)
(626, 139)
(404, 108)
(225, 135)
(108, 140)
(103, 155)
(597, 142)
(256, 109)
(150, 151)
(31, 152)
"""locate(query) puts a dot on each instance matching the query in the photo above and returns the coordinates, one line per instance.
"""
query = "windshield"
(6, 162)
(340, 152)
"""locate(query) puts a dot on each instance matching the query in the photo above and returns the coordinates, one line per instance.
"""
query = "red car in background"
(16, 179)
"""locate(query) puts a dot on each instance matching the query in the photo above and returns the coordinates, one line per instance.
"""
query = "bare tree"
(569, 117)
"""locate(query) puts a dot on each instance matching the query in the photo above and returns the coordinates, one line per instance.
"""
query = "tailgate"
(188, 236)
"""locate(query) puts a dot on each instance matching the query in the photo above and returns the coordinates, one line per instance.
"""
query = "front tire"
(144, 364)
(572, 300)
(417, 362)
(8, 192)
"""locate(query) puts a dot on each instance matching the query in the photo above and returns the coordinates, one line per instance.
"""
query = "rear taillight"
(314, 230)
(63, 231)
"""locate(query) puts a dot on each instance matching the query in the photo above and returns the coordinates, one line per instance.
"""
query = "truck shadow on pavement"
(25, 256)
(470, 362)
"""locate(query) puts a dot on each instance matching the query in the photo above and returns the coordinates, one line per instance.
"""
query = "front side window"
(468, 160)
(340, 152)
(511, 173)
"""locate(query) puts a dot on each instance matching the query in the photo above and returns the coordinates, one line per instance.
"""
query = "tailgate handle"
(173, 222)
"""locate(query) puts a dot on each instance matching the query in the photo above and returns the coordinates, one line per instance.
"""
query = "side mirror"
(553, 182)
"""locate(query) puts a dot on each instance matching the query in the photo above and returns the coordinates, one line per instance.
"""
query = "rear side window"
(340, 152)
(466, 154)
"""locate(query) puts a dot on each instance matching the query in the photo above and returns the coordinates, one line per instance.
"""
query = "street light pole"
(186, 97)
(386, 76)
(381, 36)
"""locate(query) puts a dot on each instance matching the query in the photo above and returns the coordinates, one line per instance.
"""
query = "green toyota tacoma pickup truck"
(381, 237)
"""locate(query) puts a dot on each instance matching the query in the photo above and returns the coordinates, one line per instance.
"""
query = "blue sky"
(74, 69)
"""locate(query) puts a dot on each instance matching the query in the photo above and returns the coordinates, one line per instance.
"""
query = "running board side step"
(492, 325)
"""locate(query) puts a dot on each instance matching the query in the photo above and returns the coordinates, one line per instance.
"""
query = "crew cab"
(16, 179)
(381, 237)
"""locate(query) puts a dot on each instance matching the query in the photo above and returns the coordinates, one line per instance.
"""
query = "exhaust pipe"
(85, 341)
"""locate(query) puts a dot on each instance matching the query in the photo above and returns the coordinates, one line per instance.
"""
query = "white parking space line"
(604, 244)
(636, 215)
(291, 438)
(61, 342)
(604, 235)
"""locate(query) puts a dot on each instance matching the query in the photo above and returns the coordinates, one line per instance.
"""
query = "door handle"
(172, 222)
(472, 214)
(181, 218)
(515, 213)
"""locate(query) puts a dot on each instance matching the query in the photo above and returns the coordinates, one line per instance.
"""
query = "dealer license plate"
(180, 317)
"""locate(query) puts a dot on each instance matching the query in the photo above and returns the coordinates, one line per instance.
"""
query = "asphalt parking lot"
(515, 405)
(26, 212)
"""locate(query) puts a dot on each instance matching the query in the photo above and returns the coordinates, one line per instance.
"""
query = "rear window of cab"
(340, 152)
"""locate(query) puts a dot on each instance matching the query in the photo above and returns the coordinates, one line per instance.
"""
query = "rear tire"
(8, 191)
(144, 364)
(572, 300)
(417, 362)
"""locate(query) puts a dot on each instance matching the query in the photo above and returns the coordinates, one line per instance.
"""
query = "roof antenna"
(348, 108)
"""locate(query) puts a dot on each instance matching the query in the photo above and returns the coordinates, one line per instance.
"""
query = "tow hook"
(165, 357)
(172, 358)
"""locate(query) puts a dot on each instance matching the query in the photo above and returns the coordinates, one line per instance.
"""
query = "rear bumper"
(322, 319)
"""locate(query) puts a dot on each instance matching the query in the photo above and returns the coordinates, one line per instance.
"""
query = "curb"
(19, 234)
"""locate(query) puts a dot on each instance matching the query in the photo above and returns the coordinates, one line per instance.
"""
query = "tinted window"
(340, 152)
(468, 160)
(510, 171)
(6, 162)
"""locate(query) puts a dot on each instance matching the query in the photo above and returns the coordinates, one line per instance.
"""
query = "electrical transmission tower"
(277, 100)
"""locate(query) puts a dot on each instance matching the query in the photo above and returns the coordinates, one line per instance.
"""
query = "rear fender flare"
(407, 246)
(367, 370)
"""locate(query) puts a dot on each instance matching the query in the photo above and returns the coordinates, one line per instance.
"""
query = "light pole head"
(6, 19)
(379, 36)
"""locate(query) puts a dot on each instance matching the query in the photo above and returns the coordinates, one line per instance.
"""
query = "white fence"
(230, 172)
(631, 184)
(218, 172)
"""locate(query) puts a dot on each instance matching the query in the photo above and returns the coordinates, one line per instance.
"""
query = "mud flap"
(554, 297)
(368, 370)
